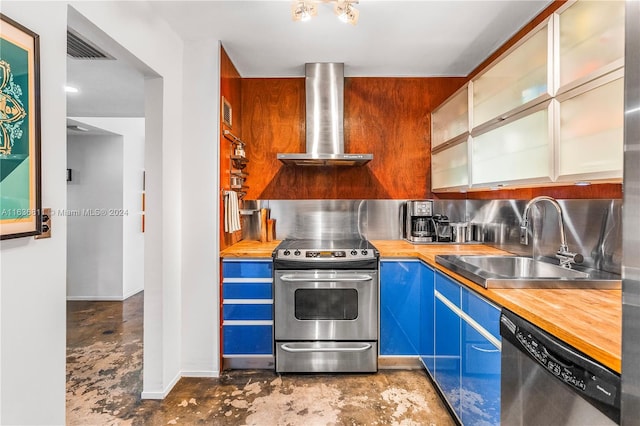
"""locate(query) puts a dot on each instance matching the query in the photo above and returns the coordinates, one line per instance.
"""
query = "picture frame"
(20, 173)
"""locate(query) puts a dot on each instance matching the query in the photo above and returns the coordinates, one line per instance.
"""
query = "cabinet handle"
(484, 350)
(326, 278)
(362, 348)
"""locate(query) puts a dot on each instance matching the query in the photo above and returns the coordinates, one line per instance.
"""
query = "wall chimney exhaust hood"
(324, 91)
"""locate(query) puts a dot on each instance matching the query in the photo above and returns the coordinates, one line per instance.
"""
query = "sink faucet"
(563, 254)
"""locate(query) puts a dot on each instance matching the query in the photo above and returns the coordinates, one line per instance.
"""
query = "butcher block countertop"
(589, 320)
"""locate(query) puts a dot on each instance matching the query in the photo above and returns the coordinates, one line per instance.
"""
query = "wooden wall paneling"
(389, 117)
(230, 89)
(565, 192)
(273, 122)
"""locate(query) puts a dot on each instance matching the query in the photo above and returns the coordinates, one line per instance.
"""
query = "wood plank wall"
(230, 89)
(388, 117)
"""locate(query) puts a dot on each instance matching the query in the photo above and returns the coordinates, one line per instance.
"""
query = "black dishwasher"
(544, 381)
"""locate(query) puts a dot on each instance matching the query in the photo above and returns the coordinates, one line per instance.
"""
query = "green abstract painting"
(19, 131)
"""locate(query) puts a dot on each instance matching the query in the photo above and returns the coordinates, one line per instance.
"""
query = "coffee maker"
(418, 222)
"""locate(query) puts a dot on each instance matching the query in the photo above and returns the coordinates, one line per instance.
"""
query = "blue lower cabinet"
(233, 311)
(247, 339)
(399, 307)
(427, 318)
(467, 352)
(246, 290)
(448, 353)
(480, 385)
(247, 309)
(247, 268)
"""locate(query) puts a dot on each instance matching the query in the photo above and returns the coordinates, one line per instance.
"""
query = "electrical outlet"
(46, 225)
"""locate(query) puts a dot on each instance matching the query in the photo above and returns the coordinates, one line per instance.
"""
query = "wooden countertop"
(589, 320)
(247, 248)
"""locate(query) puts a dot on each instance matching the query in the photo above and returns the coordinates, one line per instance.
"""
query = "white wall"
(95, 237)
(32, 272)
(132, 131)
(200, 220)
(32, 315)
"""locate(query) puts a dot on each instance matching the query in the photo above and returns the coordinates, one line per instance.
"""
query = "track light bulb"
(303, 10)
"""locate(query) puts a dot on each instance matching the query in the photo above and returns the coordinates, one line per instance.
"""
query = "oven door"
(333, 305)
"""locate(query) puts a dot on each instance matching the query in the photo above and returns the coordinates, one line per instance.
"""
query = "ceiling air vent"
(81, 48)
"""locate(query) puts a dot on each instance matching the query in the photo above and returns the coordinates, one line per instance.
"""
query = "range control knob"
(297, 252)
(286, 252)
(365, 252)
(354, 253)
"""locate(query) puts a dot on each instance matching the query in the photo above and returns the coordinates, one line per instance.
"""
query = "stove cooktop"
(315, 250)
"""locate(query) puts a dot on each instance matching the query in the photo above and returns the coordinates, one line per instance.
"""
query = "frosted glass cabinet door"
(519, 78)
(519, 151)
(591, 133)
(591, 37)
(451, 119)
(449, 167)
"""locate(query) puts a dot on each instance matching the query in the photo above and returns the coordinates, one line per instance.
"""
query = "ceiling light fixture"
(70, 89)
(304, 10)
(346, 12)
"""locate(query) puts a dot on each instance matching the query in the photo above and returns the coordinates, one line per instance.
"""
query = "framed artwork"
(20, 208)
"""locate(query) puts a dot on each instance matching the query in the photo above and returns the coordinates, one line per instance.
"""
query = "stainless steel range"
(326, 306)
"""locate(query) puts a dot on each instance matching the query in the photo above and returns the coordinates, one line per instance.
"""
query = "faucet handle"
(567, 258)
(524, 233)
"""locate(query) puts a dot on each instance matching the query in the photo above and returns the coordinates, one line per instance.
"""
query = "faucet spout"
(563, 254)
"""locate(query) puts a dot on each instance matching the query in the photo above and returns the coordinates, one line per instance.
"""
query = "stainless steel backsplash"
(593, 227)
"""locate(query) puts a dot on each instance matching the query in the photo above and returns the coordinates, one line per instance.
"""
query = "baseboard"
(200, 373)
(95, 298)
(399, 362)
(162, 394)
(132, 293)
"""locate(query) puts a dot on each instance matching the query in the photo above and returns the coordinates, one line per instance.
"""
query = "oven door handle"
(326, 278)
(361, 348)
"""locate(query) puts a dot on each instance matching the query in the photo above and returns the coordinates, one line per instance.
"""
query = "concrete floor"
(104, 381)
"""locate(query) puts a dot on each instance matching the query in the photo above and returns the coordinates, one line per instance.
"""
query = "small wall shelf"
(237, 162)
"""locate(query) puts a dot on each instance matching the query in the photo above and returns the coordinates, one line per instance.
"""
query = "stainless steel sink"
(525, 272)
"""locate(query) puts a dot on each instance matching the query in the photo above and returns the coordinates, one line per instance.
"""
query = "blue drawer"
(247, 312)
(247, 269)
(246, 291)
(247, 340)
(483, 312)
(448, 288)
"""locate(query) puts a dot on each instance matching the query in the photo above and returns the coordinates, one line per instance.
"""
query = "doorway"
(106, 136)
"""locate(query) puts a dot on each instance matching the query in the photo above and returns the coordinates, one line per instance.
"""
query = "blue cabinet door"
(233, 268)
(427, 318)
(480, 361)
(448, 354)
(480, 385)
(399, 307)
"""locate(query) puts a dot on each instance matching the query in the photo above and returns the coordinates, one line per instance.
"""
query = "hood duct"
(324, 91)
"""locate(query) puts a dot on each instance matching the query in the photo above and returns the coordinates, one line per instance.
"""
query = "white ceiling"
(392, 38)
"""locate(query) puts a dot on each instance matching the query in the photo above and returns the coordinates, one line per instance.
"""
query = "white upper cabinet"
(451, 119)
(450, 166)
(590, 41)
(518, 151)
(549, 110)
(590, 136)
(519, 80)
